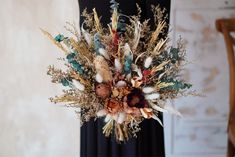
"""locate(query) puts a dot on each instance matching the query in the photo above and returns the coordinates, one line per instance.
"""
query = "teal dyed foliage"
(177, 85)
(121, 26)
(77, 66)
(114, 4)
(174, 55)
(65, 82)
(70, 57)
(127, 64)
(97, 43)
(59, 38)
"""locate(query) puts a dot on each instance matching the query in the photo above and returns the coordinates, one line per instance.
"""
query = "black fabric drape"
(150, 141)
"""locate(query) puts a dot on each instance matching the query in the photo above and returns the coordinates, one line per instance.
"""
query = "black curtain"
(150, 141)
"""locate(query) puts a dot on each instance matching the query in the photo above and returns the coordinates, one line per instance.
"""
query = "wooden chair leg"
(230, 149)
(226, 26)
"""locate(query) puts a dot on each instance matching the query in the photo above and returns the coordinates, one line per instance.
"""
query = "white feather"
(101, 113)
(148, 62)
(158, 108)
(121, 84)
(138, 70)
(148, 90)
(127, 50)
(87, 36)
(172, 110)
(121, 117)
(118, 65)
(78, 85)
(104, 53)
(140, 73)
(161, 75)
(152, 96)
(98, 78)
(156, 118)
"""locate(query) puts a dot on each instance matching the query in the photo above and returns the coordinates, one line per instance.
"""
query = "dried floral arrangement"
(124, 72)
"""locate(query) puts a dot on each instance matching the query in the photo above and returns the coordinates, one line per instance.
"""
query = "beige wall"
(202, 130)
(31, 126)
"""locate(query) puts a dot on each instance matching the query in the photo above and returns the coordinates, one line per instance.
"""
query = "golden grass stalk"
(50, 37)
(160, 46)
(63, 98)
(160, 67)
(156, 33)
(102, 68)
(107, 129)
(121, 132)
(97, 21)
(160, 84)
(76, 76)
(114, 19)
(82, 49)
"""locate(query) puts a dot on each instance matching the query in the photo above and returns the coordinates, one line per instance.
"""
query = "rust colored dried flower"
(113, 106)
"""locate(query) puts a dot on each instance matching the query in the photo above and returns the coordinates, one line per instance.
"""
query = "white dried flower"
(152, 96)
(121, 117)
(78, 85)
(121, 84)
(98, 78)
(118, 65)
(148, 62)
(148, 90)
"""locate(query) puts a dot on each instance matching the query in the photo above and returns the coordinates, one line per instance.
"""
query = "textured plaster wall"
(31, 126)
(203, 129)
